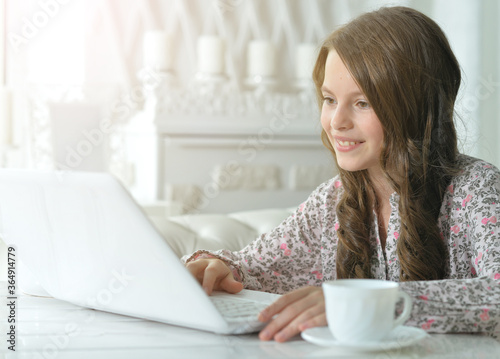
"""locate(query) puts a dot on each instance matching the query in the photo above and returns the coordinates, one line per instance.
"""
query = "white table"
(49, 328)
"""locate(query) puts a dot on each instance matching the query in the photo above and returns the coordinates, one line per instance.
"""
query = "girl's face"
(348, 119)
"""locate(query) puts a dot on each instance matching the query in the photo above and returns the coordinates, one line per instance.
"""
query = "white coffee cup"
(363, 310)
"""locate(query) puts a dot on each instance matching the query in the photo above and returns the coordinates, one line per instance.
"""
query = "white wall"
(100, 42)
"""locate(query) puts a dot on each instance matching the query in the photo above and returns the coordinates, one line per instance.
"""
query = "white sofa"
(188, 233)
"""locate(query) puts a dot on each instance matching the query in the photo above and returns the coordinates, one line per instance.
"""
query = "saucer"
(399, 337)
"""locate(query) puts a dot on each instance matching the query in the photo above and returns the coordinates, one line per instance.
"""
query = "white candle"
(261, 58)
(306, 58)
(5, 116)
(158, 50)
(211, 51)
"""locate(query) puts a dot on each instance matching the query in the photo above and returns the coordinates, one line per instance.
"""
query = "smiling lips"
(346, 145)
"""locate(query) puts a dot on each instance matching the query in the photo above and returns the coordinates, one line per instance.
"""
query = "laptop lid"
(87, 242)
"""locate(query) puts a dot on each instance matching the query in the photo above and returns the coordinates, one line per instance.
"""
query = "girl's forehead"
(334, 66)
(338, 76)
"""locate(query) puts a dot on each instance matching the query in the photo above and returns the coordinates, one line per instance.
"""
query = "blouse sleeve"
(286, 258)
(470, 301)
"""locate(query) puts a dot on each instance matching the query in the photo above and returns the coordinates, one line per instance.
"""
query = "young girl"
(406, 205)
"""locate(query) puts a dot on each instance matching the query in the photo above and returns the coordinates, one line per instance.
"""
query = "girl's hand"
(214, 274)
(296, 311)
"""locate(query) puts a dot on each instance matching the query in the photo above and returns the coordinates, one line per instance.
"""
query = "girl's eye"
(328, 100)
(363, 105)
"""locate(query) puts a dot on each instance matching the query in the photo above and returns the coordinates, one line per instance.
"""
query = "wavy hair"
(404, 65)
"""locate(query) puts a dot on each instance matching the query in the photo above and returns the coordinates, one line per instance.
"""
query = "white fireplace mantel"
(261, 149)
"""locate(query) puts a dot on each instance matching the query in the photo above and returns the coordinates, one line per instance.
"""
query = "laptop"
(84, 239)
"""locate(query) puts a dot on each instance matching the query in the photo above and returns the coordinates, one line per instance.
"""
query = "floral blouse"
(301, 252)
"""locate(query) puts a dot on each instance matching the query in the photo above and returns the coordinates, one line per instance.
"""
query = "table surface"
(49, 328)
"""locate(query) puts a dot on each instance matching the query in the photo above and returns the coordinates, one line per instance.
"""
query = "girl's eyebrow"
(324, 88)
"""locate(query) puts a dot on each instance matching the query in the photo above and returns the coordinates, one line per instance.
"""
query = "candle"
(261, 58)
(158, 50)
(211, 50)
(306, 58)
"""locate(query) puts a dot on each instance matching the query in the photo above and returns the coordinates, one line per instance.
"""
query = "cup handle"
(407, 303)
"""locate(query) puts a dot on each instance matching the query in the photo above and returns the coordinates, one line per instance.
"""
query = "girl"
(406, 205)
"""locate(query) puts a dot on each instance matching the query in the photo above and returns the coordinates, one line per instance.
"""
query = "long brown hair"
(403, 63)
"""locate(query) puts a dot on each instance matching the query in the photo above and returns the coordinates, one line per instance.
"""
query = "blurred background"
(203, 106)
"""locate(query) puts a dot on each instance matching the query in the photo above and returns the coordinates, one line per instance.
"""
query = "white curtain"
(98, 44)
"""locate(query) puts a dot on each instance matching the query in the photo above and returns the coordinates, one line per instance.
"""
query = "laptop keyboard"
(238, 309)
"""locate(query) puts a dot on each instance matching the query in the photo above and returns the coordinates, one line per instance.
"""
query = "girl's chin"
(348, 166)
(351, 166)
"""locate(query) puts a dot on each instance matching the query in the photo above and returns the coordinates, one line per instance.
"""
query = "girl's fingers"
(304, 307)
(210, 276)
(213, 274)
(313, 316)
(231, 285)
(196, 268)
(288, 323)
(283, 302)
(317, 321)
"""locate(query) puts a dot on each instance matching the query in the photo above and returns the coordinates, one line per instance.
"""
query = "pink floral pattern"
(301, 252)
